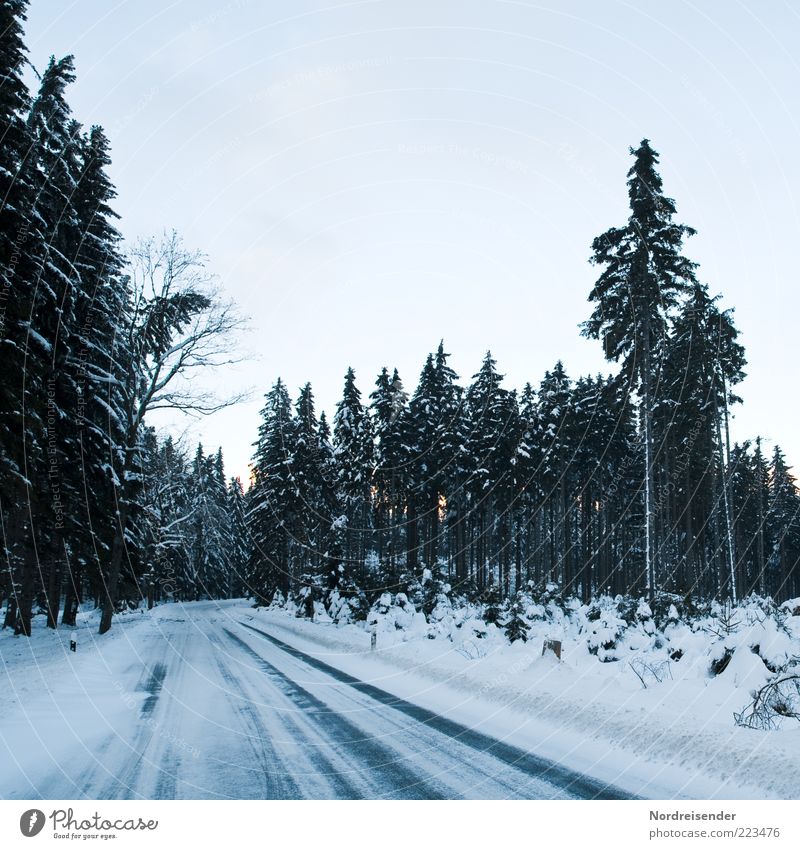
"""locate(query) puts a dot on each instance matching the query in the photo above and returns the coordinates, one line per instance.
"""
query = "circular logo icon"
(31, 822)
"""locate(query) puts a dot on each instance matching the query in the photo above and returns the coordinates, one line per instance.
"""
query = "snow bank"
(649, 707)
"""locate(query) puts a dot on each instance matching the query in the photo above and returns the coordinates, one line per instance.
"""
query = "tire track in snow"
(122, 786)
(277, 784)
(378, 763)
(470, 774)
(575, 784)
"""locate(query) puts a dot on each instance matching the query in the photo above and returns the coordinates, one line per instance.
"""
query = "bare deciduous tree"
(177, 326)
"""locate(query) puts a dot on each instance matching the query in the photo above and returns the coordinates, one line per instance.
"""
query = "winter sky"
(368, 177)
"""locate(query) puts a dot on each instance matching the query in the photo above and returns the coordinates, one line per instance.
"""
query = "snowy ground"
(218, 700)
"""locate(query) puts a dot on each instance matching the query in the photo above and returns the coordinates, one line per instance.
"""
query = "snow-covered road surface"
(205, 705)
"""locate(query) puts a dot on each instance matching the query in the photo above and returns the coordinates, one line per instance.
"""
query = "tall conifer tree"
(644, 273)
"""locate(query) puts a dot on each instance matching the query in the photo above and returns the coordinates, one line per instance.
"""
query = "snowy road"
(216, 708)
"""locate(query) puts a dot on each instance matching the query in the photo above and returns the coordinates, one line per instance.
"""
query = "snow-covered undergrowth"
(671, 685)
(748, 644)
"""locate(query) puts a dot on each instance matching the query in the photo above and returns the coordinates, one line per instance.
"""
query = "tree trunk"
(566, 537)
(411, 537)
(54, 579)
(724, 457)
(433, 533)
(461, 551)
(648, 472)
(14, 538)
(27, 588)
(10, 619)
(109, 602)
(71, 597)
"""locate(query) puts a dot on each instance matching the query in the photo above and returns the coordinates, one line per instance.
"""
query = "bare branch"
(180, 323)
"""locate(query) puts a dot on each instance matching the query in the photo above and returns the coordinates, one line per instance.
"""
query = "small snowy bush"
(604, 629)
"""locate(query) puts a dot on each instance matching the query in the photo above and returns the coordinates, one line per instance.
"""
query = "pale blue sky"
(368, 177)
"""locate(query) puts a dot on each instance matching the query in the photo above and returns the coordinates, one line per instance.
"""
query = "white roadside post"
(373, 630)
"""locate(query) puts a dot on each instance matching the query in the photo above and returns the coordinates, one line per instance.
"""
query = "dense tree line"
(597, 484)
(606, 484)
(91, 341)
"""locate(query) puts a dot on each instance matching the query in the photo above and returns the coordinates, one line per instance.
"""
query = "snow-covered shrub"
(772, 640)
(756, 607)
(405, 617)
(305, 603)
(644, 614)
(479, 629)
(604, 629)
(358, 604)
(338, 609)
(549, 595)
(278, 601)
(493, 606)
(626, 608)
(308, 596)
(395, 617)
(471, 633)
(671, 607)
(532, 610)
(791, 607)
(441, 621)
(347, 603)
(515, 625)
(724, 621)
(719, 658)
(426, 591)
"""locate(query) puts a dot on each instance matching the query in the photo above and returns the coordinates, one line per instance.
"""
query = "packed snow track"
(217, 708)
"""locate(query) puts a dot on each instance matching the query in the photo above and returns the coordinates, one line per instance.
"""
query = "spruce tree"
(702, 362)
(516, 627)
(51, 170)
(529, 490)
(169, 503)
(272, 504)
(643, 277)
(555, 446)
(97, 363)
(16, 249)
(784, 528)
(492, 437)
(433, 441)
(353, 452)
(761, 495)
(308, 478)
(17, 246)
(242, 544)
(390, 423)
(745, 508)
